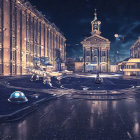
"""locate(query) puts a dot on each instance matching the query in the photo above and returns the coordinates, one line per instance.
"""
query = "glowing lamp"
(116, 35)
(18, 97)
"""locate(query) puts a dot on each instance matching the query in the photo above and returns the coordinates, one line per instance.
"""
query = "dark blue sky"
(73, 17)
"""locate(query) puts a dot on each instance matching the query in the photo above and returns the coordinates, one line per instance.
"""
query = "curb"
(19, 114)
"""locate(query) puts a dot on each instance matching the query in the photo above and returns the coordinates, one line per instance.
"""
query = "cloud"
(85, 20)
(128, 29)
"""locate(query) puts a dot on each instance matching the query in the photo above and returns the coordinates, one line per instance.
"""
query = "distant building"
(24, 34)
(135, 49)
(79, 66)
(96, 50)
(131, 66)
(70, 64)
(114, 68)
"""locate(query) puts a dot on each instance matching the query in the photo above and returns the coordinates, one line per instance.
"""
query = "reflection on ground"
(69, 118)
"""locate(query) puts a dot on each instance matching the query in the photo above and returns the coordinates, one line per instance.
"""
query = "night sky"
(73, 18)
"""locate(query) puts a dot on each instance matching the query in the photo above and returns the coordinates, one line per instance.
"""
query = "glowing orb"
(116, 35)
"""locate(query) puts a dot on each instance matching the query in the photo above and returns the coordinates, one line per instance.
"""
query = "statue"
(98, 79)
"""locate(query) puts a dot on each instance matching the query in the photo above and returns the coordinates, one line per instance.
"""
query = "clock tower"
(96, 24)
(96, 49)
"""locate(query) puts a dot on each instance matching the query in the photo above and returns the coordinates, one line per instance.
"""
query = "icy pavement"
(83, 111)
(68, 119)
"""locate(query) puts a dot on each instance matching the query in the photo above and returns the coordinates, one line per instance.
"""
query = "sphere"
(116, 35)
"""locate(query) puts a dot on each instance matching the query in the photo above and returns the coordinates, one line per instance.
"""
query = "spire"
(95, 14)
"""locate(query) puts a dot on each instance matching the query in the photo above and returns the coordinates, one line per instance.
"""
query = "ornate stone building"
(96, 50)
(131, 66)
(135, 49)
(24, 34)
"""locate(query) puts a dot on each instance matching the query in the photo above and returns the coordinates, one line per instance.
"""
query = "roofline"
(35, 11)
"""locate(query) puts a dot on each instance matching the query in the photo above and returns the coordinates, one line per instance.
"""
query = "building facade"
(113, 68)
(96, 50)
(135, 49)
(131, 66)
(24, 34)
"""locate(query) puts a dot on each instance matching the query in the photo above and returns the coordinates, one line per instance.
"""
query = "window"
(13, 55)
(28, 46)
(138, 65)
(95, 26)
(103, 59)
(103, 53)
(88, 59)
(95, 59)
(13, 42)
(87, 53)
(95, 52)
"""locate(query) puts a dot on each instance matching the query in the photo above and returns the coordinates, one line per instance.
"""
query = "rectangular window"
(133, 66)
(138, 65)
(28, 46)
(103, 53)
(87, 53)
(13, 55)
(103, 59)
(95, 52)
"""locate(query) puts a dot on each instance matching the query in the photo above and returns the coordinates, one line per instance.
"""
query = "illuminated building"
(24, 34)
(135, 49)
(131, 66)
(96, 50)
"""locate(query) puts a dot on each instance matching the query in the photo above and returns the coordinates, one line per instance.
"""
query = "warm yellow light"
(116, 35)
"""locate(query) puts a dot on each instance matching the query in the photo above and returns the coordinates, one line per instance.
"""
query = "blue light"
(16, 94)
(18, 97)
(22, 95)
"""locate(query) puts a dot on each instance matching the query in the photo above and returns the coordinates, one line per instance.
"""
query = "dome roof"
(18, 97)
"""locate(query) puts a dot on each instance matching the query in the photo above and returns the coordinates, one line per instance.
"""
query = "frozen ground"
(75, 116)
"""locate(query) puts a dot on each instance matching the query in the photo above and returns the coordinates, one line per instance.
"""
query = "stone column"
(24, 38)
(18, 41)
(6, 37)
(40, 32)
(21, 40)
(49, 43)
(90, 54)
(84, 59)
(53, 40)
(98, 59)
(100, 66)
(108, 65)
(46, 42)
(42, 39)
(1, 38)
(64, 50)
(52, 49)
